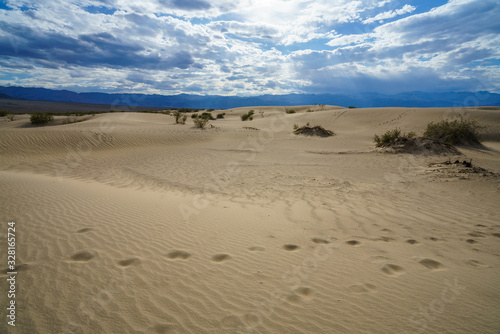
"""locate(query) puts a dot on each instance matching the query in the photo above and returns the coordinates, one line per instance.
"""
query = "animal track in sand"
(220, 257)
(84, 230)
(129, 262)
(471, 241)
(412, 241)
(393, 269)
(299, 294)
(476, 263)
(256, 249)
(320, 241)
(289, 247)
(353, 242)
(432, 264)
(496, 235)
(178, 254)
(362, 288)
(163, 329)
(84, 256)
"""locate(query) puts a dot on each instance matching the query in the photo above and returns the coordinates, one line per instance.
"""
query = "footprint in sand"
(362, 288)
(476, 263)
(432, 264)
(300, 294)
(19, 267)
(220, 257)
(353, 242)
(256, 249)
(83, 256)
(84, 230)
(178, 255)
(320, 241)
(393, 269)
(129, 262)
(290, 247)
(412, 241)
(163, 329)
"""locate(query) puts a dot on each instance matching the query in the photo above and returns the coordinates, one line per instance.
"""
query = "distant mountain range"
(361, 100)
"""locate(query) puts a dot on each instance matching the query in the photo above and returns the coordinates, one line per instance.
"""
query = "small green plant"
(221, 115)
(247, 116)
(41, 118)
(388, 137)
(291, 111)
(295, 126)
(456, 132)
(352, 107)
(200, 122)
(179, 117)
(194, 116)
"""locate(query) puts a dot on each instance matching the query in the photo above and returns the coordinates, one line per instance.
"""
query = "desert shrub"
(10, 117)
(211, 109)
(184, 110)
(179, 118)
(200, 122)
(352, 107)
(207, 115)
(3, 113)
(388, 137)
(247, 116)
(221, 115)
(194, 116)
(291, 111)
(41, 118)
(456, 132)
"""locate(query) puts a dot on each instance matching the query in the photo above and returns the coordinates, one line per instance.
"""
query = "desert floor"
(129, 223)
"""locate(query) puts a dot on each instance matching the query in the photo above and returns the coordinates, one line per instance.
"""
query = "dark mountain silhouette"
(409, 99)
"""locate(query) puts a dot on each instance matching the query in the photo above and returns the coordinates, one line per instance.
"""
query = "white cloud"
(390, 14)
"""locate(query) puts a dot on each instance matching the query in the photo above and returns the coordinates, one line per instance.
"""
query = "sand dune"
(129, 223)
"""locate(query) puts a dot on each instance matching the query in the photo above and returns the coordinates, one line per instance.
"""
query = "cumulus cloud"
(248, 46)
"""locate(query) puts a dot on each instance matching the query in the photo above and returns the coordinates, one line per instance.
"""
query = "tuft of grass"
(41, 118)
(247, 116)
(291, 111)
(456, 132)
(221, 115)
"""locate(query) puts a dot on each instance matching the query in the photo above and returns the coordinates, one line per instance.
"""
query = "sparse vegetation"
(221, 115)
(291, 111)
(207, 115)
(456, 132)
(10, 117)
(247, 116)
(3, 113)
(352, 107)
(41, 118)
(313, 131)
(200, 121)
(179, 117)
(391, 136)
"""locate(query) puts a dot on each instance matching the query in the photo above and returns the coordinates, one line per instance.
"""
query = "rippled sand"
(128, 223)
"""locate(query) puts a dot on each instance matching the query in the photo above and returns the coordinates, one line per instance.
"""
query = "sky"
(251, 47)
